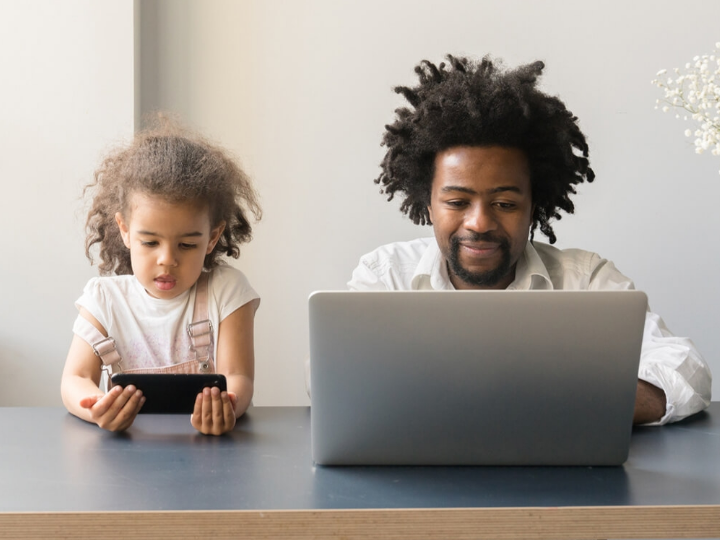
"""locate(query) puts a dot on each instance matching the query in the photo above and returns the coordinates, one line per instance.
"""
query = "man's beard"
(480, 279)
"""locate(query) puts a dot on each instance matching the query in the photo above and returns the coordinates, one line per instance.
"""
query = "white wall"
(300, 91)
(66, 93)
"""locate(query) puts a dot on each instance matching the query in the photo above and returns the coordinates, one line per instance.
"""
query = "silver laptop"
(474, 377)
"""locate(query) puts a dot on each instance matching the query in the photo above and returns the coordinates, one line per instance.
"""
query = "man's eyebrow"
(500, 189)
(447, 189)
(150, 233)
(462, 189)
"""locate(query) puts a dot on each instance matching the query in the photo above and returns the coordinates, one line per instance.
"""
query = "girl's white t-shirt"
(150, 332)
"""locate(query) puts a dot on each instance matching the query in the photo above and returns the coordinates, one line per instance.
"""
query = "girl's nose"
(167, 257)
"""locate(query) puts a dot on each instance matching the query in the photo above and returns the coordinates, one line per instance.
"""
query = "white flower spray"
(697, 91)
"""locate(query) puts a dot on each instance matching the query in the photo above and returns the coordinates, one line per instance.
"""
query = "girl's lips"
(165, 283)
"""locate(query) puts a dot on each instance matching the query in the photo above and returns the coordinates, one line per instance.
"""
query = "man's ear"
(215, 236)
(124, 231)
(429, 209)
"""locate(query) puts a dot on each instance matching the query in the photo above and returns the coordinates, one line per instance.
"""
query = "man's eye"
(456, 204)
(505, 205)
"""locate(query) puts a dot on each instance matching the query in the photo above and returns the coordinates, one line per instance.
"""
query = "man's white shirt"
(666, 361)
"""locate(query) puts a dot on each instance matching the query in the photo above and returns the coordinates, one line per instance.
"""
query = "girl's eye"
(187, 246)
(151, 243)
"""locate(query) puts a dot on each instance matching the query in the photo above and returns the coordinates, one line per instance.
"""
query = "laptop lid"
(474, 377)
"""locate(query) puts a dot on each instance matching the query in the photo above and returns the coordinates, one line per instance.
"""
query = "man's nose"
(480, 218)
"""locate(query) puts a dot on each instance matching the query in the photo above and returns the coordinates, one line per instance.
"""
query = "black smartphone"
(169, 393)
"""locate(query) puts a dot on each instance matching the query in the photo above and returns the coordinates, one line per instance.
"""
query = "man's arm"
(674, 364)
(364, 278)
(670, 364)
(649, 403)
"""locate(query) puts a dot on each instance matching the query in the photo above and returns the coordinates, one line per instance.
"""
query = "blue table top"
(51, 461)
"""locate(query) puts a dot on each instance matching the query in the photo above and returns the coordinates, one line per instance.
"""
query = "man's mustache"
(481, 237)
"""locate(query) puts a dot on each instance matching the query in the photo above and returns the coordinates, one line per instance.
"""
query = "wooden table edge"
(591, 522)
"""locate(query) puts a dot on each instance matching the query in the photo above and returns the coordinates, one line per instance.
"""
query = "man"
(487, 159)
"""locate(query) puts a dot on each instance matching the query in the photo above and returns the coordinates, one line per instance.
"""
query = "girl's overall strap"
(103, 347)
(201, 330)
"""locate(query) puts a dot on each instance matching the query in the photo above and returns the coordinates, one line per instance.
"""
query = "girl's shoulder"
(111, 286)
(226, 276)
(230, 288)
(103, 296)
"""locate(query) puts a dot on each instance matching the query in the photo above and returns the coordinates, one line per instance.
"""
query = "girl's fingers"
(114, 404)
(233, 398)
(228, 411)
(217, 408)
(214, 414)
(141, 402)
(104, 404)
(207, 416)
(89, 401)
(196, 418)
(126, 415)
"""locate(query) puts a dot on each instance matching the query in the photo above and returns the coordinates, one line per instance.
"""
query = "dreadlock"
(470, 103)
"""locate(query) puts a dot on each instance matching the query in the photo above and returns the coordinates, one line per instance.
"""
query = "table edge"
(580, 523)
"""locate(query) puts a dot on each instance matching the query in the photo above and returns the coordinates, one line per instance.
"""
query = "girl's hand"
(214, 412)
(116, 410)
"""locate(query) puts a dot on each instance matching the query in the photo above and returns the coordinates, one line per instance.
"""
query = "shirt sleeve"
(671, 363)
(232, 290)
(95, 301)
(364, 277)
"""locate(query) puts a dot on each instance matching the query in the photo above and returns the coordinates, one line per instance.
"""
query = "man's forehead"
(469, 161)
(461, 155)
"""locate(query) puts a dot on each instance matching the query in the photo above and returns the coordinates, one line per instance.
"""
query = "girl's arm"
(236, 354)
(81, 394)
(215, 413)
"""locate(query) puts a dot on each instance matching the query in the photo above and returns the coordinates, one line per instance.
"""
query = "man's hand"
(116, 410)
(214, 412)
(650, 403)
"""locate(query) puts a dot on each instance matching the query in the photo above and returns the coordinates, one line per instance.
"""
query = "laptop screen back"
(474, 377)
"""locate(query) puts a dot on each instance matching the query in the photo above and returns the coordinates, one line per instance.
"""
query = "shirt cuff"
(678, 392)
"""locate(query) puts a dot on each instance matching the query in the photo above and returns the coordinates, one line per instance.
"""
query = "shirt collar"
(530, 272)
(431, 271)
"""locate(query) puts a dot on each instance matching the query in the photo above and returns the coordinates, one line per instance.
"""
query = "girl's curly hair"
(470, 103)
(169, 162)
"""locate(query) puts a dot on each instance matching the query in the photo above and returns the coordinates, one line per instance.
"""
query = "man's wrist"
(650, 403)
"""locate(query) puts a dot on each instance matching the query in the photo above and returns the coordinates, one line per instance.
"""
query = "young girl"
(164, 210)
